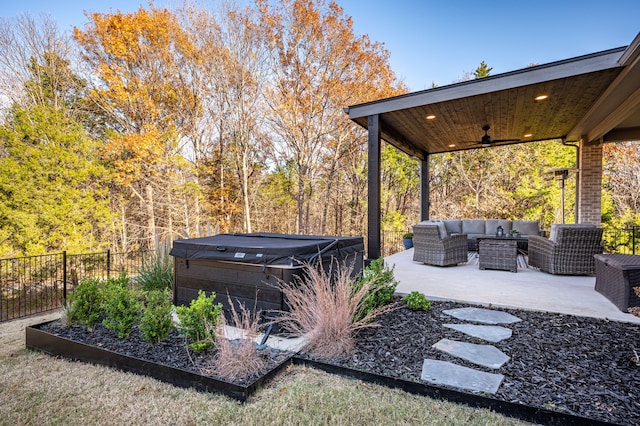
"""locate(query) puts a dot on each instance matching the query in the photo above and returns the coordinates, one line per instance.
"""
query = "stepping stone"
(457, 376)
(485, 316)
(485, 355)
(490, 333)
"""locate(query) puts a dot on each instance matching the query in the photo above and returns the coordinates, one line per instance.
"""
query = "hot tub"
(247, 267)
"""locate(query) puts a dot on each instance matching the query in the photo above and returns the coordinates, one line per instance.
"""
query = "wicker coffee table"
(521, 240)
(498, 253)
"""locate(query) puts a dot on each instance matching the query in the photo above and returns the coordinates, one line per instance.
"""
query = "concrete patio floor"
(526, 289)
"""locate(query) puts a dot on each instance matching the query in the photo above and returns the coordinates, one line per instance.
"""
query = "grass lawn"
(38, 389)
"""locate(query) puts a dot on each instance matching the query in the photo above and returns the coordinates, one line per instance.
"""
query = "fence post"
(108, 263)
(64, 277)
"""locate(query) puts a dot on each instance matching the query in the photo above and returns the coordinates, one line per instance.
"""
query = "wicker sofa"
(569, 250)
(473, 228)
(432, 245)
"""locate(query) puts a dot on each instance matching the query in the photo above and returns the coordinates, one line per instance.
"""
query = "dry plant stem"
(239, 358)
(323, 307)
(635, 310)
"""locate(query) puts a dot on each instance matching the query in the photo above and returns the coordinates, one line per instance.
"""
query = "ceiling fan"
(487, 141)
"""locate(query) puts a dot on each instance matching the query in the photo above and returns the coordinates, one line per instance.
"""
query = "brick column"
(590, 183)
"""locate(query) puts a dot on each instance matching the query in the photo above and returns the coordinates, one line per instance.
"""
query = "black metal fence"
(391, 242)
(35, 284)
(622, 241)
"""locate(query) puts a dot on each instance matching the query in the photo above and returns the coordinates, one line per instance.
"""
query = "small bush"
(199, 320)
(157, 273)
(382, 285)
(120, 306)
(85, 304)
(416, 301)
(156, 322)
(327, 310)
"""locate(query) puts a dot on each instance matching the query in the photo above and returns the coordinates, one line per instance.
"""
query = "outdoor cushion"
(473, 226)
(442, 229)
(554, 228)
(454, 226)
(440, 224)
(491, 226)
(526, 227)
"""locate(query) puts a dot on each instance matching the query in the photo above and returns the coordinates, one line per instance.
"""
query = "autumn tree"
(319, 66)
(140, 60)
(622, 180)
(233, 62)
(25, 42)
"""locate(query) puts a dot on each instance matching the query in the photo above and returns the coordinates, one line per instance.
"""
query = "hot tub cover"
(266, 248)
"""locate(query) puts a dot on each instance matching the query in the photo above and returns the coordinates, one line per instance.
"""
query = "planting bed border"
(56, 345)
(527, 413)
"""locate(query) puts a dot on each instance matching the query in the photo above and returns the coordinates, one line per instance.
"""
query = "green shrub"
(416, 300)
(157, 272)
(382, 288)
(199, 320)
(120, 306)
(156, 322)
(85, 304)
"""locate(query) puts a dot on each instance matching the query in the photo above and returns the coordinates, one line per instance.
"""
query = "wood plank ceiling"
(511, 111)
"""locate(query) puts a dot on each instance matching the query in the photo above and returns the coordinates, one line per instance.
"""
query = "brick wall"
(590, 185)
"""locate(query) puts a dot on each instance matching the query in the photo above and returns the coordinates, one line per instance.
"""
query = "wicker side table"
(498, 254)
(616, 275)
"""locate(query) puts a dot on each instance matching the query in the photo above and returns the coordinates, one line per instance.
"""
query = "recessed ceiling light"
(430, 117)
(452, 145)
(541, 97)
(528, 135)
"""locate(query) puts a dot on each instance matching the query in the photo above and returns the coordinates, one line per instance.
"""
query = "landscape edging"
(56, 345)
(511, 409)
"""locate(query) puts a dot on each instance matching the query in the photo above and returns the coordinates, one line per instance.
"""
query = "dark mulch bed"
(580, 366)
(171, 352)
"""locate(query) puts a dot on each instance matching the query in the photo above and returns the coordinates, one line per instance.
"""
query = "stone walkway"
(484, 355)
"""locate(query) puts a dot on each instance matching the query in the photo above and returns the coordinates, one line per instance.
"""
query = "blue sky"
(438, 41)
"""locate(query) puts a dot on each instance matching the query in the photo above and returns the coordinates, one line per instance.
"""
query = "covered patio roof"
(589, 99)
(593, 96)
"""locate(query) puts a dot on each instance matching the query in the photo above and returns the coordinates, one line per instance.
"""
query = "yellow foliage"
(141, 59)
(135, 155)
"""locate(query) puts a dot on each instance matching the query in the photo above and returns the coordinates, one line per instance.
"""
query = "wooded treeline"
(167, 124)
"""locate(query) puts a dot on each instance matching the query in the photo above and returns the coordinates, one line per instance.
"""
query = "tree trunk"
(300, 203)
(151, 218)
(124, 238)
(245, 194)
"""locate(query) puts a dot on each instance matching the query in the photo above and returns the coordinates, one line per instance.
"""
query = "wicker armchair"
(569, 253)
(430, 248)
